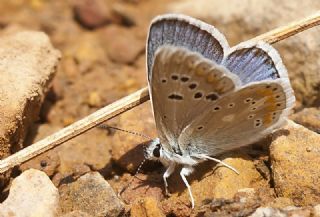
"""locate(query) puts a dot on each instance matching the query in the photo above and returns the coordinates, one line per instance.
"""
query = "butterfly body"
(208, 98)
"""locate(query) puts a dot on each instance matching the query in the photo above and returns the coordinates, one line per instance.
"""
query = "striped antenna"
(105, 126)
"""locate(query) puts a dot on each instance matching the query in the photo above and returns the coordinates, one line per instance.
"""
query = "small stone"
(92, 13)
(146, 207)
(87, 52)
(296, 171)
(308, 117)
(31, 194)
(94, 99)
(121, 44)
(90, 194)
(66, 121)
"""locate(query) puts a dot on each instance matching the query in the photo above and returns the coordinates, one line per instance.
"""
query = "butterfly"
(208, 98)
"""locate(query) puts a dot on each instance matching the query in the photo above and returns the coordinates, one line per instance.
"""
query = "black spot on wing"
(198, 95)
(175, 97)
(212, 96)
(192, 86)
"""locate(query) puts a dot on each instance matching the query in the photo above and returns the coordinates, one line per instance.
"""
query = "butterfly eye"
(156, 151)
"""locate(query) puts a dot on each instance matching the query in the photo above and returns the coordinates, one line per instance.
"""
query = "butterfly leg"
(221, 162)
(166, 175)
(185, 171)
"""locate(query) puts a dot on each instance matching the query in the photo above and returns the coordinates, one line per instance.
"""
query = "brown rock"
(76, 214)
(220, 182)
(244, 203)
(121, 44)
(295, 159)
(27, 64)
(146, 207)
(141, 186)
(243, 20)
(87, 51)
(92, 13)
(127, 150)
(82, 151)
(308, 117)
(90, 194)
(280, 202)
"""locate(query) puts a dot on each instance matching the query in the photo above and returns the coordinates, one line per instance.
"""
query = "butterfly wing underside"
(181, 53)
(240, 118)
(183, 85)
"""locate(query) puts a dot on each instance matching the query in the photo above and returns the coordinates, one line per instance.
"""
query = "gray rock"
(90, 194)
(288, 211)
(31, 194)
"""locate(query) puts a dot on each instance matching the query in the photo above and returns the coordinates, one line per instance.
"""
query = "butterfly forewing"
(184, 31)
(183, 86)
(240, 118)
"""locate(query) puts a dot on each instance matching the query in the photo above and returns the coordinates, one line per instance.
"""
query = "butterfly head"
(154, 151)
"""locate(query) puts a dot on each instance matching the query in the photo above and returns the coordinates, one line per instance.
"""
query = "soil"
(103, 59)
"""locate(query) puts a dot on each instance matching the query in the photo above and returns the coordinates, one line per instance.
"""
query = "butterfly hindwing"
(184, 85)
(254, 61)
(240, 118)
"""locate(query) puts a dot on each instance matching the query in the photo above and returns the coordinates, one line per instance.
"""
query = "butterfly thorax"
(156, 151)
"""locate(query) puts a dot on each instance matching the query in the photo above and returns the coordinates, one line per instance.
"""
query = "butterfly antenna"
(105, 126)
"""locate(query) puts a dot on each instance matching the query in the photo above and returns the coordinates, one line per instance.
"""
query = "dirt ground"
(102, 45)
